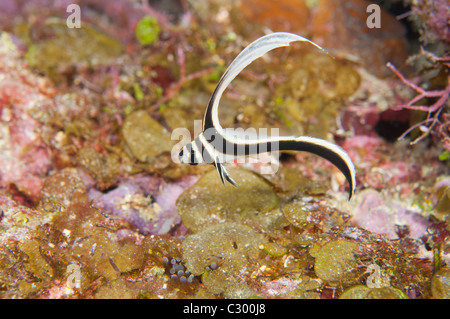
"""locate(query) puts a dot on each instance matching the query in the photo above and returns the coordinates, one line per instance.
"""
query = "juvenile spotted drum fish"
(216, 146)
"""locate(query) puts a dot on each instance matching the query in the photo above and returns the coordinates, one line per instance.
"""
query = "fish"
(216, 145)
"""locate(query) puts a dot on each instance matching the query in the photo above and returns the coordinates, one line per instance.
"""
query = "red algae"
(92, 205)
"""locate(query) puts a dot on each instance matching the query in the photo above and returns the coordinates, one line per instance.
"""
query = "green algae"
(86, 236)
(230, 245)
(445, 155)
(67, 47)
(291, 181)
(97, 248)
(147, 30)
(185, 108)
(233, 248)
(307, 288)
(103, 168)
(108, 257)
(275, 250)
(37, 265)
(355, 292)
(386, 293)
(364, 292)
(318, 85)
(145, 137)
(443, 206)
(119, 288)
(335, 261)
(189, 106)
(440, 284)
(209, 202)
(83, 236)
(297, 214)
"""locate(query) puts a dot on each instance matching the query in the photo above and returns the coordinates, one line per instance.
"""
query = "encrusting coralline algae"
(92, 205)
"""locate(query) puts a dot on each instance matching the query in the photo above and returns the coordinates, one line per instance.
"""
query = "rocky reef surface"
(92, 205)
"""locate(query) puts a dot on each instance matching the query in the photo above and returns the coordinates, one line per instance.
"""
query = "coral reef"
(431, 18)
(92, 205)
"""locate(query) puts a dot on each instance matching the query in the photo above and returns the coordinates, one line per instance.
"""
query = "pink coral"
(146, 202)
(378, 214)
(24, 157)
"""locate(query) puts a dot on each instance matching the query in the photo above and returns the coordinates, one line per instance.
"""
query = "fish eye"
(193, 159)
